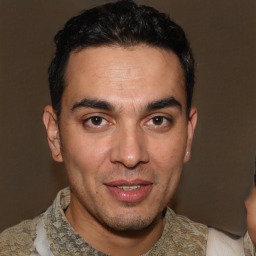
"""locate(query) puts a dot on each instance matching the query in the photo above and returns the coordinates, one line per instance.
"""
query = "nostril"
(131, 166)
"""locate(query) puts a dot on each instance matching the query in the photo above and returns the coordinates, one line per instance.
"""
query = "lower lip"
(132, 196)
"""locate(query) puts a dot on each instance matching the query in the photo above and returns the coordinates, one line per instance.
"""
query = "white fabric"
(220, 244)
(41, 242)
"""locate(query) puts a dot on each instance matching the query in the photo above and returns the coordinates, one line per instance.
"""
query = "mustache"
(122, 172)
(129, 171)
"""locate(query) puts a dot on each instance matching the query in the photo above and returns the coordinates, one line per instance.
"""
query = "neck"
(115, 243)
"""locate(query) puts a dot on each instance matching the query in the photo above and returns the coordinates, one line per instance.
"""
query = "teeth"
(129, 188)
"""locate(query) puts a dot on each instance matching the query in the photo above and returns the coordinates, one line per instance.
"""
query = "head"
(122, 23)
(121, 118)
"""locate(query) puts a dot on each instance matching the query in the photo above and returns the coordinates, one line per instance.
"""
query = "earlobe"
(191, 129)
(52, 129)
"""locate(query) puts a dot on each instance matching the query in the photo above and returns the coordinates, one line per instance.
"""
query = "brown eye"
(97, 123)
(96, 120)
(158, 120)
(159, 123)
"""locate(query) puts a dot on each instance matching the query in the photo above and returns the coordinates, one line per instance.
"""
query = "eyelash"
(166, 121)
(90, 119)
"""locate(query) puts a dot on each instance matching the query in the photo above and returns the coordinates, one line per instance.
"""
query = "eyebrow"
(164, 103)
(92, 103)
(104, 105)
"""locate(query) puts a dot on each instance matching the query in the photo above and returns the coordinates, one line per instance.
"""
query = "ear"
(191, 128)
(52, 129)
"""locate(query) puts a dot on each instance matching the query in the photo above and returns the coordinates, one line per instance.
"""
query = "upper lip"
(121, 182)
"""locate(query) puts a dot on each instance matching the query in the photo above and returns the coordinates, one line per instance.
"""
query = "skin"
(250, 204)
(129, 141)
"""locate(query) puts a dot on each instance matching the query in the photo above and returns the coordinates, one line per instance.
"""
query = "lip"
(131, 196)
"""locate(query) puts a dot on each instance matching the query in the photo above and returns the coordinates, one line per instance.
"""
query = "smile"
(129, 188)
(129, 191)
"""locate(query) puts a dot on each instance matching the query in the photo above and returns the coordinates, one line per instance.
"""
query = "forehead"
(135, 74)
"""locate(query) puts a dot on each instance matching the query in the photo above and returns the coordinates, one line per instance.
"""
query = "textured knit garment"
(50, 234)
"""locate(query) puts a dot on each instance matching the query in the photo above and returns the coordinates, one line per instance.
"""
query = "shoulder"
(19, 239)
(184, 224)
(189, 236)
(248, 246)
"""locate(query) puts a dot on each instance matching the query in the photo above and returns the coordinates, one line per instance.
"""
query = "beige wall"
(215, 182)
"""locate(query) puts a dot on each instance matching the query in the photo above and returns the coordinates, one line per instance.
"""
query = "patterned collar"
(180, 235)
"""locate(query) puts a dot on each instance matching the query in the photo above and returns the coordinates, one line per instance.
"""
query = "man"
(121, 119)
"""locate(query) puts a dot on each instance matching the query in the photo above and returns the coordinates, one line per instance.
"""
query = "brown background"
(215, 182)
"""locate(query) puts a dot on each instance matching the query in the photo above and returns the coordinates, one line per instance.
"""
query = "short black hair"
(122, 23)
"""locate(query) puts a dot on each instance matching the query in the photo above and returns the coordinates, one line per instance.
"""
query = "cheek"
(169, 151)
(84, 153)
(167, 160)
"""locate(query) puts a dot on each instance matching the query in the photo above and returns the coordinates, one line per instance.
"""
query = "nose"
(130, 148)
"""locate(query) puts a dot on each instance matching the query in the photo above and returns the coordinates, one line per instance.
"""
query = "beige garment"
(51, 234)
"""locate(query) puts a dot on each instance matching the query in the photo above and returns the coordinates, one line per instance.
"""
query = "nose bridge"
(130, 147)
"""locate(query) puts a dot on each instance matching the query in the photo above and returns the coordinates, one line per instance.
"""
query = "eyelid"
(164, 115)
(94, 114)
(90, 118)
(86, 118)
(167, 117)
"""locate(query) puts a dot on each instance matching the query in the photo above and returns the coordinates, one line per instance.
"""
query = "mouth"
(129, 191)
(129, 188)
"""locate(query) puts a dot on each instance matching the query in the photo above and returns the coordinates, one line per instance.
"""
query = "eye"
(95, 121)
(158, 122)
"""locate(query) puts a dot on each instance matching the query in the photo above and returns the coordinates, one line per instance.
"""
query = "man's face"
(124, 133)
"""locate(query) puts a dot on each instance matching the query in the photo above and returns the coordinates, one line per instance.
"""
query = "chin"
(129, 224)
